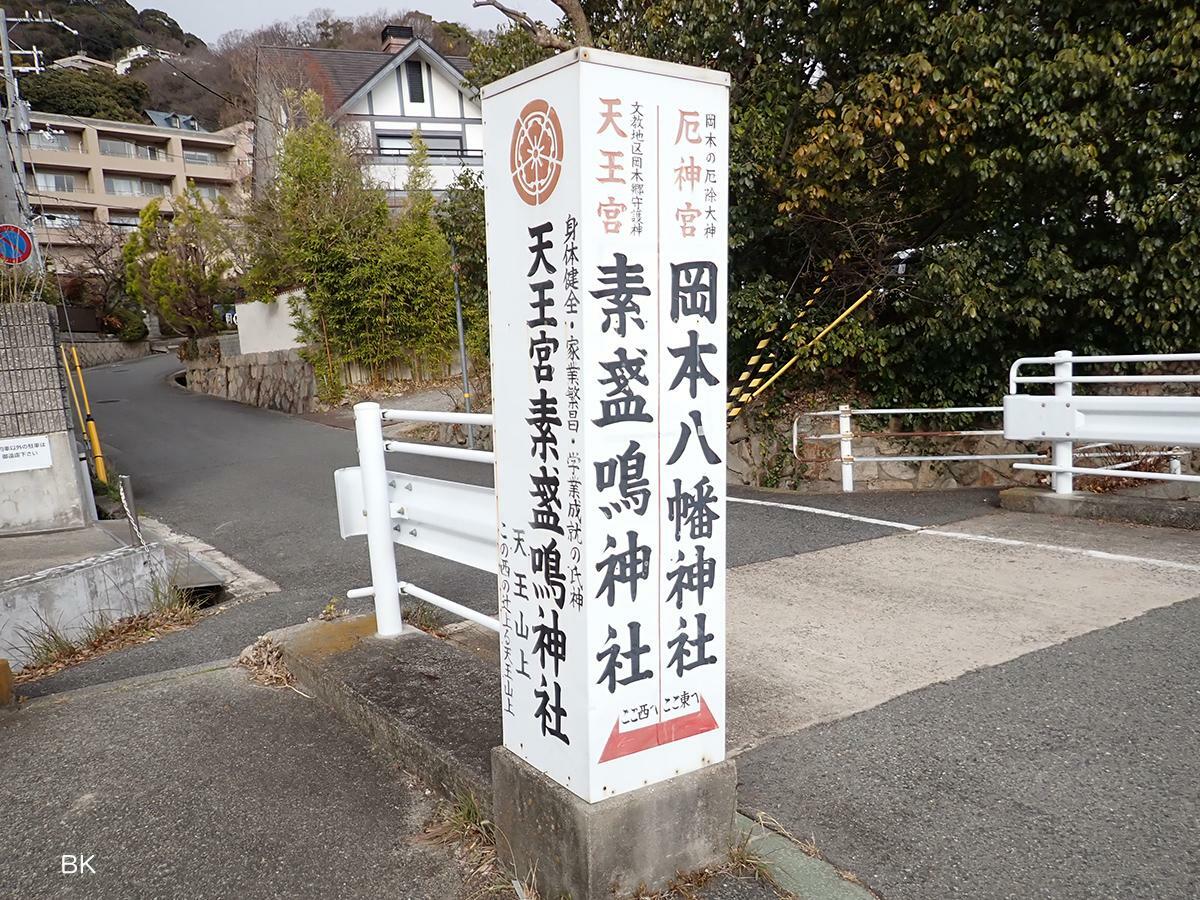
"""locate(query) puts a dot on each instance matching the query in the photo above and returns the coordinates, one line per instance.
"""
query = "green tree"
(1009, 177)
(181, 265)
(95, 93)
(460, 215)
(422, 272)
(376, 288)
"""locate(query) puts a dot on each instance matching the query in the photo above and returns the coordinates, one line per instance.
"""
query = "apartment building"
(81, 171)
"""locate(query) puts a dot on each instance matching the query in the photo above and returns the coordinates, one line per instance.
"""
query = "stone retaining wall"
(762, 457)
(100, 349)
(278, 380)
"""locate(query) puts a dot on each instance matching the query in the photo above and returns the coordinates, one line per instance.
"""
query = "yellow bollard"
(74, 395)
(90, 423)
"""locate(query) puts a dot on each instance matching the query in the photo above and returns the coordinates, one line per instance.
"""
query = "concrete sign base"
(593, 851)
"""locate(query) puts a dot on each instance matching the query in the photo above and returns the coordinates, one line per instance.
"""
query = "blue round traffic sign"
(15, 244)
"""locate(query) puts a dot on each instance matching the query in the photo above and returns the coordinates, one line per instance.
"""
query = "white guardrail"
(449, 519)
(1064, 417)
(1102, 420)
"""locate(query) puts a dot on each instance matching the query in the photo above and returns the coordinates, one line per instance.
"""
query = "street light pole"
(462, 345)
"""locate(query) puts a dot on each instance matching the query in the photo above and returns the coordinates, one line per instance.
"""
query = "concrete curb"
(418, 663)
(1132, 510)
(793, 870)
(134, 682)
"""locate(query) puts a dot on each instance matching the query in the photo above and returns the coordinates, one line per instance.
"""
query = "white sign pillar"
(607, 216)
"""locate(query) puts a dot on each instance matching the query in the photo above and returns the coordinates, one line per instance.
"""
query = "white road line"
(979, 538)
(1060, 548)
(829, 512)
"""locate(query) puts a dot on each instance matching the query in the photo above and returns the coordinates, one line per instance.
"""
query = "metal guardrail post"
(368, 428)
(847, 448)
(1063, 451)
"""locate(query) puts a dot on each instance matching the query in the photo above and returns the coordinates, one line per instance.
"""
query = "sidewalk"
(199, 783)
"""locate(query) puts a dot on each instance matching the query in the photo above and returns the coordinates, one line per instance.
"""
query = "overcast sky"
(212, 18)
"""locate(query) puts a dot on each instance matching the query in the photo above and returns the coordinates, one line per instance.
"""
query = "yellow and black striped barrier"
(756, 367)
(756, 388)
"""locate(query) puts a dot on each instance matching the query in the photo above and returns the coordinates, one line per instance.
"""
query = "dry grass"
(742, 862)
(264, 660)
(420, 614)
(51, 650)
(1116, 454)
(461, 825)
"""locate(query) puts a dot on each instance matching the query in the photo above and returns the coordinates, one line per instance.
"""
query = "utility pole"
(14, 198)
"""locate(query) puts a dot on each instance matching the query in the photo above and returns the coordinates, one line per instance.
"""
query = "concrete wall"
(72, 598)
(266, 327)
(50, 499)
(33, 402)
(101, 349)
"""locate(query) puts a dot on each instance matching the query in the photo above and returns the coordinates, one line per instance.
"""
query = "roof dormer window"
(416, 81)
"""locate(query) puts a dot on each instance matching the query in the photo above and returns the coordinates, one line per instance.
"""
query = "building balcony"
(218, 171)
(59, 159)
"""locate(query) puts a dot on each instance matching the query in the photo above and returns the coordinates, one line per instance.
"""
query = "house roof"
(82, 61)
(335, 74)
(341, 75)
(163, 120)
(412, 48)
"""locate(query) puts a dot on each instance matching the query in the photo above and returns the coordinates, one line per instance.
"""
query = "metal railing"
(1064, 454)
(845, 436)
(381, 511)
(1111, 418)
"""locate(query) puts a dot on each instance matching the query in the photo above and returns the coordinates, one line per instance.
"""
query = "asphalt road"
(258, 485)
(1066, 773)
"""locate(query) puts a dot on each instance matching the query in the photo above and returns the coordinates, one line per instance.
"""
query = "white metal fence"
(1104, 421)
(1064, 417)
(450, 519)
(846, 435)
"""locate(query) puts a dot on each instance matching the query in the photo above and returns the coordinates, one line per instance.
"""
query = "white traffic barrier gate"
(449, 519)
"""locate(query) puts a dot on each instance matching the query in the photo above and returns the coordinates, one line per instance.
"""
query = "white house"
(384, 96)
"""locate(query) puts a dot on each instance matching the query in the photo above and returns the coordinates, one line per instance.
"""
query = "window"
(204, 157)
(55, 181)
(59, 219)
(128, 149)
(207, 191)
(416, 81)
(132, 186)
(113, 147)
(49, 140)
(400, 144)
(394, 145)
(443, 144)
(124, 220)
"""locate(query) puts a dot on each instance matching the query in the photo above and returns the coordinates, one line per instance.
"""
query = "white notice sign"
(607, 214)
(23, 454)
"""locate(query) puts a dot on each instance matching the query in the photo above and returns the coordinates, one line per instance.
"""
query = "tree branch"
(543, 36)
(578, 18)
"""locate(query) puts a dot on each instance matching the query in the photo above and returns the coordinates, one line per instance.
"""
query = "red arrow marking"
(629, 742)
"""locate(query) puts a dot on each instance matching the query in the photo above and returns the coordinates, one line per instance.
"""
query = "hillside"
(105, 29)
